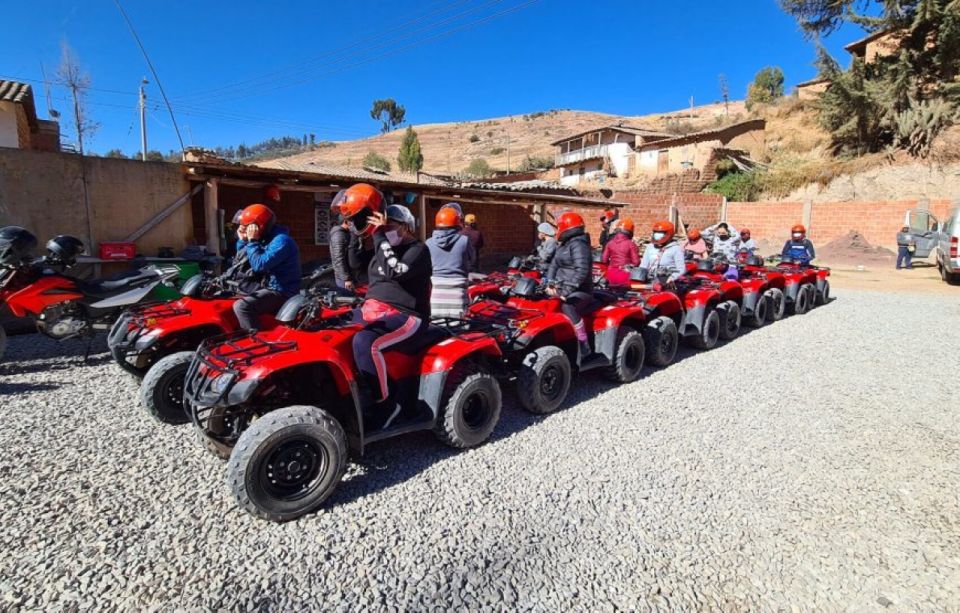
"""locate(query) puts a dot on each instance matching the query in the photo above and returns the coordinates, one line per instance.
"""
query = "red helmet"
(693, 235)
(448, 217)
(626, 225)
(259, 215)
(356, 204)
(569, 224)
(798, 229)
(663, 231)
(272, 192)
(745, 233)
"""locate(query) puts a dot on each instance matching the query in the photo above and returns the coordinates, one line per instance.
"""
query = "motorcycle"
(63, 306)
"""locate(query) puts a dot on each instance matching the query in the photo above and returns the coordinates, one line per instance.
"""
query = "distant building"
(19, 126)
(597, 153)
(702, 150)
(811, 90)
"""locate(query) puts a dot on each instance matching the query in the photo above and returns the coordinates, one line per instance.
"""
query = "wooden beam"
(210, 197)
(422, 205)
(311, 189)
(154, 221)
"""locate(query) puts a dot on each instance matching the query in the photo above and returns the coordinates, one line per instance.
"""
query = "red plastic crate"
(117, 251)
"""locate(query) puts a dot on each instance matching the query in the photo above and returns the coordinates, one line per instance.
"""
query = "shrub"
(474, 138)
(375, 160)
(497, 150)
(479, 168)
(737, 186)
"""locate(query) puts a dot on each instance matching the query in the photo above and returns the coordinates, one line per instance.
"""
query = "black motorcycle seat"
(106, 287)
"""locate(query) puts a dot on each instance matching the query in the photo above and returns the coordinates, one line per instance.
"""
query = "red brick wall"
(877, 221)
(766, 220)
(507, 229)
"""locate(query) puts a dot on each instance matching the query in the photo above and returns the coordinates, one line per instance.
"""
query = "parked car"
(939, 238)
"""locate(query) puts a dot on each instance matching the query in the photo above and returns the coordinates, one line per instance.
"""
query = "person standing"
(272, 253)
(452, 256)
(905, 248)
(476, 238)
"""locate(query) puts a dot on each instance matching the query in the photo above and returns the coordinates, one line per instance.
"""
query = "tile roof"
(616, 128)
(358, 174)
(13, 91)
(693, 137)
(532, 186)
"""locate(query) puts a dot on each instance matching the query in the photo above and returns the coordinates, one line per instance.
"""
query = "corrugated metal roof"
(535, 185)
(358, 174)
(12, 91)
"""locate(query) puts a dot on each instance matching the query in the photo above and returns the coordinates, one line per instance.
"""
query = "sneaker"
(585, 349)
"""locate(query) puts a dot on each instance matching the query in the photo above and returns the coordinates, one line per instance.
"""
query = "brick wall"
(507, 229)
(877, 221)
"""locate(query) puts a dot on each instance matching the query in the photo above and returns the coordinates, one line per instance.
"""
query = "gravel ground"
(812, 464)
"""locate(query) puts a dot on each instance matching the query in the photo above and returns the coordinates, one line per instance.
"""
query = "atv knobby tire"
(3, 342)
(730, 320)
(824, 296)
(161, 392)
(287, 463)
(801, 304)
(470, 409)
(759, 317)
(628, 357)
(709, 333)
(778, 304)
(661, 338)
(543, 380)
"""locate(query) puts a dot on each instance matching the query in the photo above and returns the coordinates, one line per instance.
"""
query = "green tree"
(388, 113)
(410, 158)
(375, 160)
(154, 156)
(767, 87)
(479, 168)
(115, 153)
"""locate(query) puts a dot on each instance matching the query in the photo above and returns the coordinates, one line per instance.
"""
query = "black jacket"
(400, 276)
(572, 265)
(347, 255)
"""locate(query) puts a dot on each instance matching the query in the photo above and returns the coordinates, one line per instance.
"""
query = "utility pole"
(508, 152)
(143, 120)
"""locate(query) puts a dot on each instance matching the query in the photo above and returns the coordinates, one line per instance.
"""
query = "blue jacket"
(278, 256)
(798, 250)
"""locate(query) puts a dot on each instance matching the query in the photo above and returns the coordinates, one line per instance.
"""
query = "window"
(321, 218)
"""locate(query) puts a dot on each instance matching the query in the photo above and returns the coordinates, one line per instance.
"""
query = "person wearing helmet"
(572, 274)
(746, 242)
(476, 237)
(271, 253)
(621, 252)
(663, 257)
(694, 245)
(347, 253)
(798, 247)
(547, 246)
(726, 240)
(452, 257)
(397, 304)
(607, 223)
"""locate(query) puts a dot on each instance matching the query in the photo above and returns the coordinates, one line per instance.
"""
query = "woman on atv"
(572, 273)
(620, 252)
(664, 255)
(397, 304)
(695, 245)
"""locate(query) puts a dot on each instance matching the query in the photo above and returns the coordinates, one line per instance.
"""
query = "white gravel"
(812, 464)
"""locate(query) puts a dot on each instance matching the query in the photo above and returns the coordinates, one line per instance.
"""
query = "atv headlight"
(221, 383)
(147, 340)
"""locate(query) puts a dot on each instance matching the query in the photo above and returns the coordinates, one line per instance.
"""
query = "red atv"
(763, 299)
(64, 306)
(157, 341)
(286, 402)
(540, 346)
(805, 286)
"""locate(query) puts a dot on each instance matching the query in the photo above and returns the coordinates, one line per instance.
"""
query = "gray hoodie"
(450, 252)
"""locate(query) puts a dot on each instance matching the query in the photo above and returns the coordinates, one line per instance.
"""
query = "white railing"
(587, 153)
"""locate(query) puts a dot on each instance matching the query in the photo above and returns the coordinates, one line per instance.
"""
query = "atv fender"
(605, 342)
(750, 301)
(663, 303)
(791, 289)
(821, 282)
(442, 358)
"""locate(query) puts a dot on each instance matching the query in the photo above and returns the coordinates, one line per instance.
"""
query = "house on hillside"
(597, 153)
(702, 150)
(19, 126)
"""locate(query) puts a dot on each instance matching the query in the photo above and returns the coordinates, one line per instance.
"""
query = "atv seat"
(432, 335)
(107, 287)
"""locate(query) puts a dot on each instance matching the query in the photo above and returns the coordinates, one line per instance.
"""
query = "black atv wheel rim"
(294, 469)
(173, 395)
(731, 325)
(633, 358)
(476, 411)
(551, 383)
(666, 343)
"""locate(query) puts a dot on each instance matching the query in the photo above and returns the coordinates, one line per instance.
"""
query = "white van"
(939, 238)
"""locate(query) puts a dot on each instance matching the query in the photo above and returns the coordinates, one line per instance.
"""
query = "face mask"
(723, 237)
(394, 237)
(659, 236)
(797, 235)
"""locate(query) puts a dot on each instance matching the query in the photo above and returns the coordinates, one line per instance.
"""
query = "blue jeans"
(904, 255)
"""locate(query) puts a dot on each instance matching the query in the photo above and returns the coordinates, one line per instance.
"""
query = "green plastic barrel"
(165, 293)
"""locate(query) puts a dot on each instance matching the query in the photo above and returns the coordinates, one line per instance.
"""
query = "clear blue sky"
(243, 71)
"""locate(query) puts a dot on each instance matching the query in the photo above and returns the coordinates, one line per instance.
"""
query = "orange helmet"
(356, 204)
(693, 235)
(663, 231)
(798, 229)
(272, 192)
(569, 224)
(259, 215)
(626, 225)
(448, 217)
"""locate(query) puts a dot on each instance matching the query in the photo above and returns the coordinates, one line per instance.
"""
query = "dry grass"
(788, 173)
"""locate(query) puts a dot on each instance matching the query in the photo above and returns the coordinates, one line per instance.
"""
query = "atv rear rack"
(235, 354)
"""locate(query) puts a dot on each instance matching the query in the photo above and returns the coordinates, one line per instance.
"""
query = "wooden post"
(422, 200)
(210, 193)
(808, 215)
